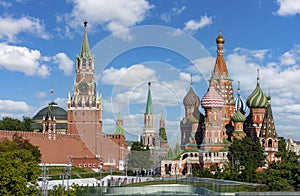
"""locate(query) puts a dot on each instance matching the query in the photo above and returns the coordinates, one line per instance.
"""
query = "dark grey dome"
(52, 111)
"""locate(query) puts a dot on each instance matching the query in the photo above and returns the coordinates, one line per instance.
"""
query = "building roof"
(220, 70)
(149, 108)
(85, 49)
(257, 99)
(51, 112)
(239, 102)
(268, 126)
(238, 117)
(212, 99)
(191, 99)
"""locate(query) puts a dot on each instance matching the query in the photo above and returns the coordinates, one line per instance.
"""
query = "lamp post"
(45, 181)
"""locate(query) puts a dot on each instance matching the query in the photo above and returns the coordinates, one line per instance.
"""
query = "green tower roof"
(85, 49)
(149, 109)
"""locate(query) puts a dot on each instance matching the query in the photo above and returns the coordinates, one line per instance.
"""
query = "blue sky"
(136, 41)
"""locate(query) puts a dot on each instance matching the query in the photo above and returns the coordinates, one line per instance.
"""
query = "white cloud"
(131, 76)
(288, 7)
(14, 106)
(22, 59)
(64, 63)
(114, 15)
(288, 58)
(10, 27)
(194, 25)
(178, 10)
(203, 65)
(167, 17)
(5, 4)
(41, 94)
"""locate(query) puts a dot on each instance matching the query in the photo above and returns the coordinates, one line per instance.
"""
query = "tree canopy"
(19, 169)
(139, 157)
(11, 124)
(283, 175)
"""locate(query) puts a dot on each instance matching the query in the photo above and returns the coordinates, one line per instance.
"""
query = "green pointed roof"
(170, 154)
(149, 109)
(177, 150)
(85, 49)
(163, 134)
(119, 128)
(119, 117)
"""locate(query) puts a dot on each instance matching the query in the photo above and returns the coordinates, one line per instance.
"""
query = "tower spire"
(85, 49)
(257, 76)
(191, 84)
(149, 109)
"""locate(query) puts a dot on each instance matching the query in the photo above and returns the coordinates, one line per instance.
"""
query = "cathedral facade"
(225, 117)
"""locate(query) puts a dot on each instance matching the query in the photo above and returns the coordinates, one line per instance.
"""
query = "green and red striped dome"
(257, 99)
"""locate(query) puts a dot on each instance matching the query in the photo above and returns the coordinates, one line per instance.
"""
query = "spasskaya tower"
(85, 106)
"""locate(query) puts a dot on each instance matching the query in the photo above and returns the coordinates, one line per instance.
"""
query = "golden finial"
(220, 39)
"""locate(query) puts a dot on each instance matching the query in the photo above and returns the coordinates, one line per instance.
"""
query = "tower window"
(270, 143)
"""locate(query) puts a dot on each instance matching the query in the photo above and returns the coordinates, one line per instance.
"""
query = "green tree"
(25, 144)
(283, 175)
(139, 157)
(18, 170)
(11, 124)
(27, 124)
(245, 157)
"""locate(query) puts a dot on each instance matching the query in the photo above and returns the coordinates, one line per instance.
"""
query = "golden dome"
(220, 39)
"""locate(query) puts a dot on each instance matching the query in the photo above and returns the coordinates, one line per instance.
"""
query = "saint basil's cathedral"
(225, 117)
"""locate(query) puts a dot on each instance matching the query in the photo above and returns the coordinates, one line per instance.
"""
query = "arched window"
(270, 143)
(263, 142)
(184, 156)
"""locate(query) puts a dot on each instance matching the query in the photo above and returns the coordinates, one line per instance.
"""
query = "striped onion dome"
(240, 103)
(212, 99)
(238, 117)
(257, 99)
(191, 99)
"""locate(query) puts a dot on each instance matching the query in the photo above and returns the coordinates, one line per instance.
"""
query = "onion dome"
(240, 103)
(191, 99)
(238, 117)
(257, 99)
(212, 99)
(220, 39)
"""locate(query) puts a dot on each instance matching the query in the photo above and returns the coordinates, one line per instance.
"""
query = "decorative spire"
(149, 109)
(257, 76)
(239, 88)
(220, 39)
(220, 70)
(85, 50)
(268, 127)
(191, 80)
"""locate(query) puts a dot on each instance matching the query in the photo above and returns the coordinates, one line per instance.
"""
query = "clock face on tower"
(83, 87)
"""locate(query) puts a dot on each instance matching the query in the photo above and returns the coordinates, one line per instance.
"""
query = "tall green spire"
(85, 49)
(149, 109)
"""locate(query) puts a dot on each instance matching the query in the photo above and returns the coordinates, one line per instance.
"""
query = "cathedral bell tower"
(85, 106)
